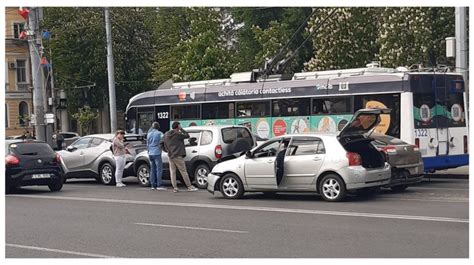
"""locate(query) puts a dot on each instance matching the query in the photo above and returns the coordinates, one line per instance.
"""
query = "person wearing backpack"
(153, 139)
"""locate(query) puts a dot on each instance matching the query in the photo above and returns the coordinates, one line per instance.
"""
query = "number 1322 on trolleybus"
(428, 108)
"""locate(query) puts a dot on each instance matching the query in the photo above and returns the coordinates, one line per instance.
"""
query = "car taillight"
(417, 142)
(466, 149)
(218, 151)
(389, 149)
(58, 159)
(354, 159)
(12, 160)
(416, 148)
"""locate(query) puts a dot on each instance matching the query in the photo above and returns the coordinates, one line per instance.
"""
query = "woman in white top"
(119, 151)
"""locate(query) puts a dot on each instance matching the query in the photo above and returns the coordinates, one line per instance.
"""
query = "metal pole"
(461, 45)
(110, 70)
(37, 74)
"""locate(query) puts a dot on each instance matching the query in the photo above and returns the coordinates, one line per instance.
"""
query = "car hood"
(228, 165)
(363, 122)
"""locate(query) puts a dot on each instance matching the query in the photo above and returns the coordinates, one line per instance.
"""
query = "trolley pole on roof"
(110, 70)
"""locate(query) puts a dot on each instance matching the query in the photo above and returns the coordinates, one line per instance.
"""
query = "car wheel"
(143, 175)
(399, 188)
(371, 191)
(332, 188)
(9, 189)
(57, 186)
(231, 187)
(107, 174)
(200, 175)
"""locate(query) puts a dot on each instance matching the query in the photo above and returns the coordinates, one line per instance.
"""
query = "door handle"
(270, 161)
(316, 158)
(194, 151)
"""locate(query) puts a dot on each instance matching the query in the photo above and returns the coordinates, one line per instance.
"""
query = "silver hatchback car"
(330, 164)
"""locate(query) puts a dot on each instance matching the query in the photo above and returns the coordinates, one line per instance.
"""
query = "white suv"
(206, 145)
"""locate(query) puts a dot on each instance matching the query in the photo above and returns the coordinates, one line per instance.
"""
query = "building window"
(23, 113)
(21, 71)
(17, 29)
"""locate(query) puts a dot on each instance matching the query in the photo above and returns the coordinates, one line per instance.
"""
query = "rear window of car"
(206, 137)
(387, 140)
(31, 148)
(230, 134)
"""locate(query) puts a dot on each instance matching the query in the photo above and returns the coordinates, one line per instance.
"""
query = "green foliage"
(86, 117)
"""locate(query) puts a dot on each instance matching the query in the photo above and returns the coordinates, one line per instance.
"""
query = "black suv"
(31, 162)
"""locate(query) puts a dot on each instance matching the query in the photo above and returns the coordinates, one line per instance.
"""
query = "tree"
(346, 40)
(414, 35)
(86, 117)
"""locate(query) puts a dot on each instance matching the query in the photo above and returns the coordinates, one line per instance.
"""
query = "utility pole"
(34, 42)
(110, 70)
(461, 46)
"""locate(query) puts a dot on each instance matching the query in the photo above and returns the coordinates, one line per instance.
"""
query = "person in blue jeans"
(153, 139)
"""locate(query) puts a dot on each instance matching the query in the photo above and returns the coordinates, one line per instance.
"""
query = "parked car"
(90, 156)
(206, 145)
(404, 159)
(31, 163)
(330, 164)
(69, 138)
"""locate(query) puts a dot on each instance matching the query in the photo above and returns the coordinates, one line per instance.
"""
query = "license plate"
(41, 176)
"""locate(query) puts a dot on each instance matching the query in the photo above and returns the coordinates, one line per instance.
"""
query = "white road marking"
(460, 200)
(60, 251)
(194, 228)
(254, 208)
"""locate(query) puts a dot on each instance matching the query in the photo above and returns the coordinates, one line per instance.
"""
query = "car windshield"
(31, 148)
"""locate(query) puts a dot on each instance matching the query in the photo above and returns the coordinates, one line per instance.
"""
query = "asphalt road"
(86, 219)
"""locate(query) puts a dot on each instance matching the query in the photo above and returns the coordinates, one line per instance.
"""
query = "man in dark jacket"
(174, 145)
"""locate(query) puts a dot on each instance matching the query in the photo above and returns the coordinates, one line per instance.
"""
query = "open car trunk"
(371, 157)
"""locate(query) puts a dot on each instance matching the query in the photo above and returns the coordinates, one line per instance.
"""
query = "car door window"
(306, 146)
(268, 150)
(82, 143)
(193, 139)
(96, 142)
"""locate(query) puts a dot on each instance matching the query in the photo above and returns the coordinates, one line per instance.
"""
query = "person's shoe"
(153, 188)
(175, 190)
(192, 188)
(120, 185)
(161, 188)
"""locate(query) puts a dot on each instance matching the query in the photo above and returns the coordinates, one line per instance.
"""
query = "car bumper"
(25, 177)
(357, 177)
(400, 175)
(212, 181)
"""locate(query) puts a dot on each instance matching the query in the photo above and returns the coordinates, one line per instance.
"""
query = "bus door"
(163, 117)
(441, 114)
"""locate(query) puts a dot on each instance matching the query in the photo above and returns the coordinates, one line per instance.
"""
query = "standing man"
(174, 145)
(154, 152)
(59, 140)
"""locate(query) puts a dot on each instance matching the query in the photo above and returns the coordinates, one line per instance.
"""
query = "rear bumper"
(407, 175)
(358, 177)
(25, 177)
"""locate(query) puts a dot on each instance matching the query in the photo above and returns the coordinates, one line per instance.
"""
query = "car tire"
(143, 175)
(107, 174)
(368, 192)
(200, 175)
(57, 186)
(9, 189)
(399, 188)
(231, 186)
(332, 188)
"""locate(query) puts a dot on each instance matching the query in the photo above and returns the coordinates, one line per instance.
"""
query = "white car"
(330, 164)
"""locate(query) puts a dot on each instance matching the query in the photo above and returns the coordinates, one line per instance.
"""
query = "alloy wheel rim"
(106, 174)
(331, 188)
(201, 176)
(143, 175)
(231, 187)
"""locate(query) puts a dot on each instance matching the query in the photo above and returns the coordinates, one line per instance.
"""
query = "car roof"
(106, 136)
(13, 141)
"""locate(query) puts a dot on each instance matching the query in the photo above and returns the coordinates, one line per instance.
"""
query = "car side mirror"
(248, 154)
(71, 148)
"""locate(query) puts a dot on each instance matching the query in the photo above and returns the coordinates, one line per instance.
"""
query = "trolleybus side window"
(218, 110)
(131, 120)
(253, 109)
(390, 123)
(185, 112)
(332, 106)
(291, 107)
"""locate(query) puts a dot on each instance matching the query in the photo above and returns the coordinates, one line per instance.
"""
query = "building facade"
(18, 82)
